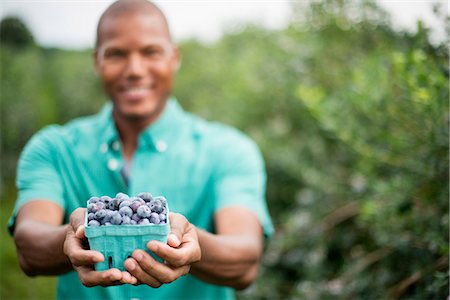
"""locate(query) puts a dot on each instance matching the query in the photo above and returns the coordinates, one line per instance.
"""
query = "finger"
(161, 272)
(177, 257)
(78, 256)
(79, 233)
(89, 277)
(178, 225)
(173, 240)
(77, 218)
(127, 278)
(135, 269)
(86, 257)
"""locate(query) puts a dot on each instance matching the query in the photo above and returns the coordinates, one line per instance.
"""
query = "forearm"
(40, 248)
(230, 260)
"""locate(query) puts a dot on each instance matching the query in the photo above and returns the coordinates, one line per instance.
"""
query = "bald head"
(122, 8)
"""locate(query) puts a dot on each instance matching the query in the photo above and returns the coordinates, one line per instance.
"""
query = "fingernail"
(152, 246)
(79, 232)
(131, 266)
(174, 238)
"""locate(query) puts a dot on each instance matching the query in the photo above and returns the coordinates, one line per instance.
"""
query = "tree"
(15, 33)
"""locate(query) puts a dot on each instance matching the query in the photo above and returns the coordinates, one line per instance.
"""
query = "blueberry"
(135, 205)
(91, 216)
(151, 204)
(143, 211)
(100, 214)
(135, 217)
(162, 199)
(105, 199)
(124, 203)
(92, 208)
(109, 214)
(126, 211)
(162, 217)
(126, 220)
(116, 218)
(122, 196)
(140, 200)
(144, 221)
(132, 199)
(93, 200)
(100, 205)
(93, 223)
(145, 196)
(113, 204)
(154, 218)
(157, 207)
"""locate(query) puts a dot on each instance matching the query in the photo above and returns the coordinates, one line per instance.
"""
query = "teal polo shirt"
(199, 166)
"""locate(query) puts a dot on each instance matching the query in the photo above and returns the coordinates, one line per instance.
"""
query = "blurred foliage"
(14, 284)
(14, 33)
(352, 118)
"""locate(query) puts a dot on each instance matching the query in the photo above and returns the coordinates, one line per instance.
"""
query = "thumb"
(80, 232)
(178, 225)
(77, 221)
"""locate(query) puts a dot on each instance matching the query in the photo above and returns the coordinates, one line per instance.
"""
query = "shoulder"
(56, 136)
(225, 143)
(83, 127)
(219, 134)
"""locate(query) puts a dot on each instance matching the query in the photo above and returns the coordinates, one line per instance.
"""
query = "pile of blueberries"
(143, 209)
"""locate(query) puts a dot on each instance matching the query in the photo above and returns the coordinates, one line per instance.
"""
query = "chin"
(138, 115)
(139, 108)
(141, 113)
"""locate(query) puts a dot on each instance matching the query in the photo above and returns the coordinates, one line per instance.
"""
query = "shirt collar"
(109, 133)
(159, 135)
(163, 133)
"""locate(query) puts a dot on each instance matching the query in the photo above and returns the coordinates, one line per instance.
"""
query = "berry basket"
(117, 242)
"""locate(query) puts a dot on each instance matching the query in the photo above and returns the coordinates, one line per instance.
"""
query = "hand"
(83, 260)
(182, 250)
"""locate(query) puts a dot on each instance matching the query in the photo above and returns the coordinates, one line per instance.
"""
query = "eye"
(152, 52)
(114, 53)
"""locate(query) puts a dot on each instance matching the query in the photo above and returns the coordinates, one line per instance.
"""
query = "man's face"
(137, 62)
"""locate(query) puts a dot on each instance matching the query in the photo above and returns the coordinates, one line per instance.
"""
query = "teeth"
(136, 90)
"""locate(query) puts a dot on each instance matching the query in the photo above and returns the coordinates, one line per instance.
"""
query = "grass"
(14, 284)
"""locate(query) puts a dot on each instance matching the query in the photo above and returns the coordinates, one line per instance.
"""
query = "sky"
(71, 23)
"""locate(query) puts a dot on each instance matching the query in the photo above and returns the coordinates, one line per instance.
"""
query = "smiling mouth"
(136, 93)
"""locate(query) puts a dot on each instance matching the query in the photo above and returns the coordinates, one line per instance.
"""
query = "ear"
(95, 60)
(176, 59)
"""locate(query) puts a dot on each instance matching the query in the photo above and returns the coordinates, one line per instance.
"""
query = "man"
(212, 176)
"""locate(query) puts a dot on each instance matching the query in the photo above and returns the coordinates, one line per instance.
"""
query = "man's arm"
(46, 247)
(230, 257)
(39, 236)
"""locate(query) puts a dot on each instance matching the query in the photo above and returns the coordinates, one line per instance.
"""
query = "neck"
(129, 130)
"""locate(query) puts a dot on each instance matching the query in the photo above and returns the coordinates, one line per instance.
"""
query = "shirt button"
(161, 146)
(116, 145)
(113, 164)
(103, 148)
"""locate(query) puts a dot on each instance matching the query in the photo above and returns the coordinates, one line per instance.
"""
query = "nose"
(135, 66)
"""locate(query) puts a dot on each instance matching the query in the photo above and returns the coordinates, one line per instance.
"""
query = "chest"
(182, 175)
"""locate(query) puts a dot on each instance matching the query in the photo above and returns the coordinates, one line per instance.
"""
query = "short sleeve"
(240, 177)
(37, 172)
